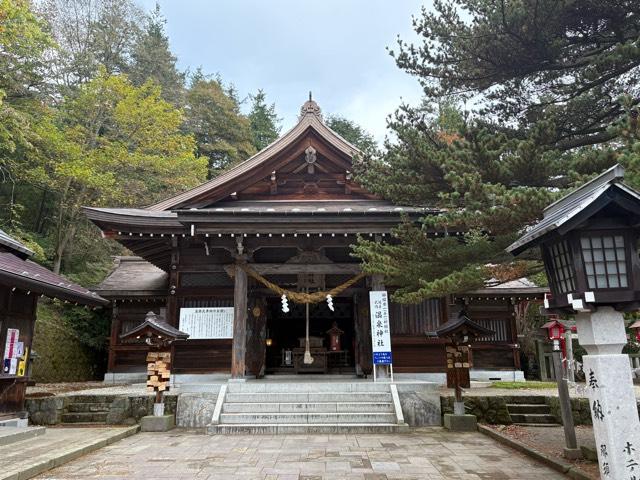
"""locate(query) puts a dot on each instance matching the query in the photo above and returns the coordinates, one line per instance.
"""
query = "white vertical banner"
(380, 328)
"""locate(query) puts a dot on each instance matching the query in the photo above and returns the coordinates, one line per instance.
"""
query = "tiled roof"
(566, 210)
(134, 276)
(13, 244)
(28, 275)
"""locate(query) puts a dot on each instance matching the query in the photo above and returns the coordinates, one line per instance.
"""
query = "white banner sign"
(380, 330)
(209, 322)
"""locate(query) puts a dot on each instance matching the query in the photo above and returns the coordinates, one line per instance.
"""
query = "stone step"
(91, 398)
(315, 407)
(306, 428)
(529, 418)
(526, 399)
(88, 407)
(84, 417)
(308, 397)
(536, 424)
(17, 434)
(302, 418)
(307, 387)
(528, 408)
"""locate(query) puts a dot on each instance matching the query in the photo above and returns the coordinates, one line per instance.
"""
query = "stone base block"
(162, 423)
(460, 423)
(572, 453)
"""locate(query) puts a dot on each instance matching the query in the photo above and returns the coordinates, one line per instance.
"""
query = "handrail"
(396, 404)
(215, 420)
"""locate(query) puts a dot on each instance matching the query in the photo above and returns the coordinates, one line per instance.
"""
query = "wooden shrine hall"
(214, 261)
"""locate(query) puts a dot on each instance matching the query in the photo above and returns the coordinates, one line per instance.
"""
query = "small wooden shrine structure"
(158, 335)
(22, 282)
(214, 261)
(459, 333)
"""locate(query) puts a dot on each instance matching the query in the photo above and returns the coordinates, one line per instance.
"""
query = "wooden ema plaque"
(458, 363)
(158, 371)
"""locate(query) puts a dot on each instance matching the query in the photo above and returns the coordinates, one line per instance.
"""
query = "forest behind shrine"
(523, 100)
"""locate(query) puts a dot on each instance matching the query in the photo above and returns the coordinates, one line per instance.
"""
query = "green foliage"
(69, 342)
(222, 133)
(112, 143)
(265, 124)
(152, 60)
(528, 61)
(89, 35)
(554, 86)
(353, 133)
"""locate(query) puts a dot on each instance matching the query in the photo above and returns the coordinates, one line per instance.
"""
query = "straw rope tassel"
(308, 359)
(302, 297)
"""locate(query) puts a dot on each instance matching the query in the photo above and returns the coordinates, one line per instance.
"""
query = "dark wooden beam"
(303, 268)
(239, 346)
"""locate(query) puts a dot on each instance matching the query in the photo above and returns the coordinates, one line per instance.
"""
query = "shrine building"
(214, 261)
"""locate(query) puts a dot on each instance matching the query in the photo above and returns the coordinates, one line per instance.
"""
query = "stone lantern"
(589, 241)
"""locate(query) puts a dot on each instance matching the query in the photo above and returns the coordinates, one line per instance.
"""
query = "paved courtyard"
(423, 454)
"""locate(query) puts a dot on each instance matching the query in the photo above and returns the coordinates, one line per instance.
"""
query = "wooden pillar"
(239, 346)
(113, 340)
(172, 299)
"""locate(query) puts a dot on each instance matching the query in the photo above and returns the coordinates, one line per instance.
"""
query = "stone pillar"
(239, 347)
(609, 388)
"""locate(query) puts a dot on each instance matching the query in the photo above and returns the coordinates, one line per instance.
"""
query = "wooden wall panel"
(417, 355)
(495, 357)
(201, 356)
(415, 319)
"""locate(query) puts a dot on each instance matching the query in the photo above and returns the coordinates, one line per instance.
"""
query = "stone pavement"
(24, 459)
(429, 454)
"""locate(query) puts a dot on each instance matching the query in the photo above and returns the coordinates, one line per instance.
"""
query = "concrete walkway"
(427, 454)
(24, 459)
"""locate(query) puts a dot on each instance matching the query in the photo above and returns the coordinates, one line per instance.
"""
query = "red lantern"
(635, 326)
(555, 330)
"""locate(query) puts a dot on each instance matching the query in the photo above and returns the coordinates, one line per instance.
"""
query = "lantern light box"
(588, 241)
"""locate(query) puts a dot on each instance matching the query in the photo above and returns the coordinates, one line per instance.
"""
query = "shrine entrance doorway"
(286, 338)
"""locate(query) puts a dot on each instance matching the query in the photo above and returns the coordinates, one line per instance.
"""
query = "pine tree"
(527, 61)
(548, 81)
(265, 124)
(153, 60)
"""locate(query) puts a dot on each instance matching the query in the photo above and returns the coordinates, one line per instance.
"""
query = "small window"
(562, 267)
(604, 261)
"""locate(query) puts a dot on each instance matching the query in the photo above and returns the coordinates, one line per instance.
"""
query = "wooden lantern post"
(159, 335)
(459, 333)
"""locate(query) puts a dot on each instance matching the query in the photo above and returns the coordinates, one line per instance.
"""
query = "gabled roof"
(134, 276)
(458, 324)
(310, 118)
(582, 203)
(155, 324)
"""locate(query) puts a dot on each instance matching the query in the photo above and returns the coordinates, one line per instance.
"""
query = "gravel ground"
(550, 440)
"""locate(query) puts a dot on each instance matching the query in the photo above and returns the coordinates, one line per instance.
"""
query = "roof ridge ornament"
(310, 107)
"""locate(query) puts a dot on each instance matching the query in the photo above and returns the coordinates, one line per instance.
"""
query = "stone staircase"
(530, 411)
(86, 410)
(358, 407)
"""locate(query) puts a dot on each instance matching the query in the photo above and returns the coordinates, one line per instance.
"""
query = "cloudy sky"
(335, 48)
